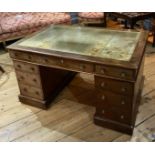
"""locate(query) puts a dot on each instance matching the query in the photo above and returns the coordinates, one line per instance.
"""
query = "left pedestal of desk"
(38, 84)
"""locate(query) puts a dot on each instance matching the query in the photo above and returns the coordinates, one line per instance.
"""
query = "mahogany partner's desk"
(47, 60)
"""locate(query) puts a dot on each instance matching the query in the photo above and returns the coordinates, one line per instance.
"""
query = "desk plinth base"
(43, 104)
(107, 123)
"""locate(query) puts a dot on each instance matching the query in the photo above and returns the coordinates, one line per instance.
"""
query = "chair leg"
(4, 45)
(105, 19)
(153, 44)
(1, 69)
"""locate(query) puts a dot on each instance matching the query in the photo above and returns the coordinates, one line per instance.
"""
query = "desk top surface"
(93, 43)
(103, 43)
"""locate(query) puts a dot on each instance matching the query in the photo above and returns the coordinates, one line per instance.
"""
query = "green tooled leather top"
(104, 43)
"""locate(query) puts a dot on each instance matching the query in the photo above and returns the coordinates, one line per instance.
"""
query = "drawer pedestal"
(118, 116)
(39, 85)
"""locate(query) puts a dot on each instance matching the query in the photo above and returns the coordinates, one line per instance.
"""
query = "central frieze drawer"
(27, 78)
(64, 63)
(117, 86)
(78, 66)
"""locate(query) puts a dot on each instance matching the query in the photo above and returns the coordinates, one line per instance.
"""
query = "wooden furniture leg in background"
(1, 69)
(153, 44)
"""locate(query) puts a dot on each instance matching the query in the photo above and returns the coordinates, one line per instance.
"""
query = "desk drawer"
(116, 114)
(31, 91)
(121, 73)
(108, 98)
(116, 86)
(78, 66)
(27, 78)
(22, 66)
(65, 63)
(20, 55)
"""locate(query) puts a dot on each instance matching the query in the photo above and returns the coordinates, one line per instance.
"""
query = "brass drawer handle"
(123, 74)
(122, 116)
(102, 84)
(123, 102)
(103, 111)
(62, 61)
(82, 67)
(103, 71)
(123, 89)
(103, 97)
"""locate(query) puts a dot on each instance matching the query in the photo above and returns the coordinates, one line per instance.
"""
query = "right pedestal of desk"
(117, 101)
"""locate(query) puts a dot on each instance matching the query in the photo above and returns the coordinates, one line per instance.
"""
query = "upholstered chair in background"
(92, 18)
